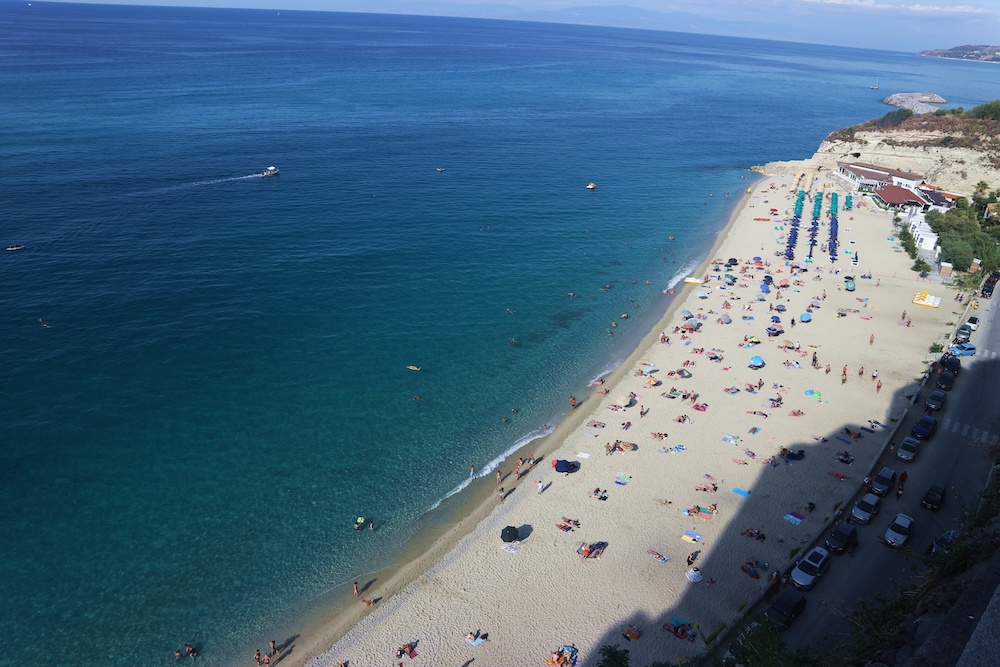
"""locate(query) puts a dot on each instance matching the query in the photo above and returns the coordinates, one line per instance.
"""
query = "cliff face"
(952, 153)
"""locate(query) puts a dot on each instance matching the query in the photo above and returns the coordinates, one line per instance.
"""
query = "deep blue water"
(222, 384)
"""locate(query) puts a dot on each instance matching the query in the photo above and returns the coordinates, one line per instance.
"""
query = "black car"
(841, 538)
(882, 483)
(951, 364)
(987, 291)
(937, 400)
(945, 381)
(934, 497)
(784, 610)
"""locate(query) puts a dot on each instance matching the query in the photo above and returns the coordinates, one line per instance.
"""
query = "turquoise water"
(221, 387)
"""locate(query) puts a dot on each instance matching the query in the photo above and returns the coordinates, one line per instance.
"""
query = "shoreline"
(338, 613)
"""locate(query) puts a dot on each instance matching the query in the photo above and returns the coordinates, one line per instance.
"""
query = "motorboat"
(270, 171)
(13, 248)
(591, 186)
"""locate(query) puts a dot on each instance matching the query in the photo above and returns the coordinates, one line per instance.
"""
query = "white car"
(907, 450)
(899, 530)
(811, 568)
(866, 508)
(973, 322)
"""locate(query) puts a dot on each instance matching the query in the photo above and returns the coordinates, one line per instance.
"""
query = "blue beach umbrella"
(756, 362)
(805, 317)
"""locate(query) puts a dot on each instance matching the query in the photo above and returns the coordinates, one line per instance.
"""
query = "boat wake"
(198, 184)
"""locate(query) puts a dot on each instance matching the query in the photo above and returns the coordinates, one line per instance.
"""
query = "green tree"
(921, 265)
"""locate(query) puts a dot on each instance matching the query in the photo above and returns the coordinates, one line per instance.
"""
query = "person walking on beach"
(499, 477)
(500, 492)
(256, 656)
(274, 648)
(356, 591)
(878, 387)
(541, 487)
(871, 340)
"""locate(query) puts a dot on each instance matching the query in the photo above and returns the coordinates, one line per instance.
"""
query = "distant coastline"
(978, 53)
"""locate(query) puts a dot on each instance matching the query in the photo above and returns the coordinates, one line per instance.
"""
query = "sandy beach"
(707, 475)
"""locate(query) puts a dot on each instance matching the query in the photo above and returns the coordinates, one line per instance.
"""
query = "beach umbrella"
(765, 288)
(509, 534)
(726, 319)
(754, 339)
(757, 259)
(783, 282)
(805, 317)
(756, 362)
(780, 308)
(775, 318)
(693, 575)
(701, 295)
(686, 313)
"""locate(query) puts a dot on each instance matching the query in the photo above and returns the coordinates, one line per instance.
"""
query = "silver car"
(866, 508)
(899, 530)
(907, 450)
(811, 568)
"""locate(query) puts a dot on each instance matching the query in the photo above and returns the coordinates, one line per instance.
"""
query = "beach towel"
(412, 654)
(842, 477)
(583, 455)
(657, 556)
(475, 642)
(691, 536)
(509, 548)
(705, 515)
(710, 478)
(731, 439)
(622, 479)
(843, 439)
(866, 429)
(741, 492)
(794, 518)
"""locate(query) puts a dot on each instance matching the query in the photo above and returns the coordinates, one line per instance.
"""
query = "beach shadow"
(524, 531)
(546, 487)
(468, 662)
(287, 643)
(368, 585)
(282, 654)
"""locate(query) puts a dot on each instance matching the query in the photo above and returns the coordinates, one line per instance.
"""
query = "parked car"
(945, 381)
(934, 497)
(899, 530)
(987, 291)
(907, 450)
(808, 570)
(866, 508)
(937, 400)
(972, 322)
(963, 334)
(963, 350)
(841, 538)
(849, 283)
(950, 363)
(786, 608)
(882, 483)
(924, 428)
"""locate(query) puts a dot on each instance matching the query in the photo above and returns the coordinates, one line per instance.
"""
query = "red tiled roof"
(893, 194)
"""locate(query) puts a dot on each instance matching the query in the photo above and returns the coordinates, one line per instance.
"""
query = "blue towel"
(843, 439)
(866, 429)
(741, 492)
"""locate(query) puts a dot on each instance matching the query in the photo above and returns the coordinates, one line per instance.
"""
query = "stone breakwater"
(918, 103)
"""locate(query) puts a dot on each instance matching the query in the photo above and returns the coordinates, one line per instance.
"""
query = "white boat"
(13, 248)
(591, 185)
(875, 87)
(270, 171)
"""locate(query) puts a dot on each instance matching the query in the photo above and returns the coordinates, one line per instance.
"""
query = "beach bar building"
(864, 176)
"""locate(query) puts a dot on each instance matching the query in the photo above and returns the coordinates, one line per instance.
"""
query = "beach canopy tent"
(732, 262)
(725, 319)
(730, 278)
(562, 465)
(701, 295)
(691, 324)
(509, 534)
(805, 317)
(756, 362)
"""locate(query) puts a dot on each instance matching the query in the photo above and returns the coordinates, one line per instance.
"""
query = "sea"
(206, 379)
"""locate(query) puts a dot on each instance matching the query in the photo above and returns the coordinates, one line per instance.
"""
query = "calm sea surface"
(220, 386)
